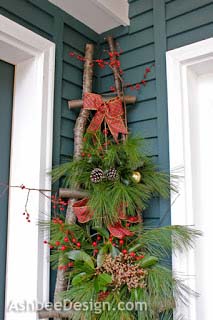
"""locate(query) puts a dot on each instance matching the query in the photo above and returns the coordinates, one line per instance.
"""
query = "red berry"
(98, 238)
(94, 244)
(70, 264)
(45, 242)
(140, 257)
(63, 248)
(124, 251)
(66, 239)
(23, 213)
(89, 155)
(57, 243)
(74, 240)
(132, 254)
(61, 267)
(78, 244)
(121, 241)
(83, 154)
(114, 244)
(51, 247)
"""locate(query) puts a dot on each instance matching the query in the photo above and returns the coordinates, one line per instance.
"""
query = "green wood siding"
(6, 103)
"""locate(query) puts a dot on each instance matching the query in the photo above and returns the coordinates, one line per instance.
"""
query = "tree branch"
(79, 103)
(70, 193)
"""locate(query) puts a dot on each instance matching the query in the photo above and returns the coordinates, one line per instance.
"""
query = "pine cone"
(111, 174)
(97, 175)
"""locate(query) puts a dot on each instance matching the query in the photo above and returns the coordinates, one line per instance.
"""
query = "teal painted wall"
(6, 104)
(155, 27)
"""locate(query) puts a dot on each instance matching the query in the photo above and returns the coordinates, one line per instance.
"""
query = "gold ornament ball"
(136, 176)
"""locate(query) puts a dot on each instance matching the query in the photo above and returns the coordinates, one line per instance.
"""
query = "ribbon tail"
(96, 122)
(116, 126)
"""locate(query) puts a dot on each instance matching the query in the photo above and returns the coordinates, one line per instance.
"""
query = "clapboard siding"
(180, 7)
(183, 39)
(190, 20)
(139, 24)
(138, 7)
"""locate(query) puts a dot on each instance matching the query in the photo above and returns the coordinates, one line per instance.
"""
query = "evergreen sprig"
(106, 197)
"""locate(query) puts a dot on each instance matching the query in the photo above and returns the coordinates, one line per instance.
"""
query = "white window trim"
(181, 79)
(27, 277)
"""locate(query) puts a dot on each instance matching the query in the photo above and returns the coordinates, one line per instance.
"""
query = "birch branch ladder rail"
(79, 129)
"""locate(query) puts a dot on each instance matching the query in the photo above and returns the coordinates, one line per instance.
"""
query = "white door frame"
(27, 275)
(184, 66)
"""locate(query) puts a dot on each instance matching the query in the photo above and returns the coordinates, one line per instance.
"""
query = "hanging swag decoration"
(101, 249)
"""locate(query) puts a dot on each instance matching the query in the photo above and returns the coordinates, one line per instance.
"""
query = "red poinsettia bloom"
(82, 211)
(118, 231)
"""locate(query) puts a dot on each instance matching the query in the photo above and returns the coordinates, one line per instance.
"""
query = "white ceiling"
(99, 15)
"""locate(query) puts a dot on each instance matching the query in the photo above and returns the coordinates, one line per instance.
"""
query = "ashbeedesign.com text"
(66, 305)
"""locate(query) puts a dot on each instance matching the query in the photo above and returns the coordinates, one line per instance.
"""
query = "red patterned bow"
(111, 111)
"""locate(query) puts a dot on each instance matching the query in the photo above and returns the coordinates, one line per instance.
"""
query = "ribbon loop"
(111, 111)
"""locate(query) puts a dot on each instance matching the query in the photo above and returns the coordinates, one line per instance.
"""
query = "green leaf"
(101, 282)
(148, 261)
(101, 256)
(80, 255)
(78, 279)
(115, 252)
(102, 231)
(104, 279)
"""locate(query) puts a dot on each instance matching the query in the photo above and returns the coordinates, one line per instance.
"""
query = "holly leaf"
(78, 279)
(77, 255)
(101, 256)
(102, 281)
(102, 231)
(115, 252)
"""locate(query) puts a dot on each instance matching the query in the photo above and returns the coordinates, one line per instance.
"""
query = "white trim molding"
(99, 15)
(27, 275)
(190, 109)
